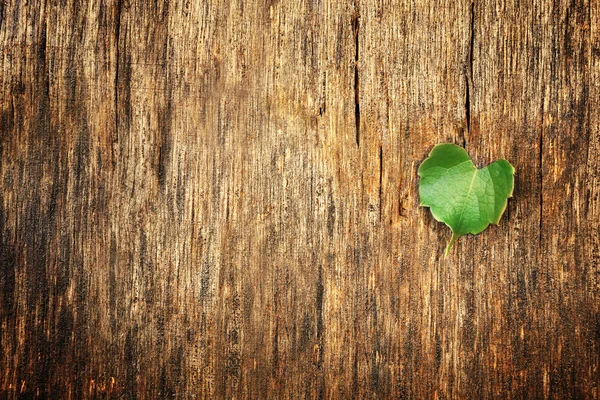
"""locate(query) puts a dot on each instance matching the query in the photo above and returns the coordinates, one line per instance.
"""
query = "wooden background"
(218, 199)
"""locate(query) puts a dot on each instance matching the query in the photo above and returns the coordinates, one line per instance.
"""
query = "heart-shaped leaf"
(463, 197)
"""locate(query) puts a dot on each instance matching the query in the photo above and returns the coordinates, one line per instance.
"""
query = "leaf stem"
(450, 243)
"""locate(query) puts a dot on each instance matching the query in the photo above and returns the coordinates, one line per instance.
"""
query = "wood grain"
(219, 199)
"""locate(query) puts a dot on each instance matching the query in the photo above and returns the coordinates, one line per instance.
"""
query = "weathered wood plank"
(219, 199)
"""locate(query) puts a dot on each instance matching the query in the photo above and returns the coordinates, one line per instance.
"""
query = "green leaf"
(463, 197)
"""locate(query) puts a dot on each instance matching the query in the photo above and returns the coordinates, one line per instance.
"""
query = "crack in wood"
(117, 39)
(320, 321)
(43, 56)
(380, 179)
(469, 75)
(323, 107)
(355, 30)
(541, 174)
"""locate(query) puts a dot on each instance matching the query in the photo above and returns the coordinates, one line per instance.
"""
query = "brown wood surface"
(218, 199)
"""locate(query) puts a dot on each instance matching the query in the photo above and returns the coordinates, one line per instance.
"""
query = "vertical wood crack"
(320, 324)
(541, 173)
(43, 55)
(355, 30)
(469, 74)
(541, 178)
(323, 107)
(117, 56)
(380, 179)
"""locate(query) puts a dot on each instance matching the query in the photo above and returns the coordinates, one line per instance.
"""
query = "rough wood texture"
(217, 199)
